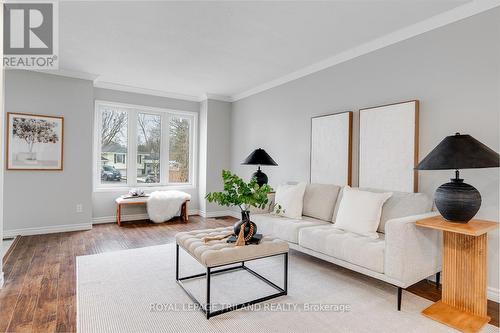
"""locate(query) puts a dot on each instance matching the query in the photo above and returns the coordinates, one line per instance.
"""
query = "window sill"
(147, 188)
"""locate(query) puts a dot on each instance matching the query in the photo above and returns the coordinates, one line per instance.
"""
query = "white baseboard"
(131, 217)
(46, 230)
(219, 213)
(494, 294)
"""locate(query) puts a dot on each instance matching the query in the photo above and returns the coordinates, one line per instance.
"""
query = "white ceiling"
(223, 48)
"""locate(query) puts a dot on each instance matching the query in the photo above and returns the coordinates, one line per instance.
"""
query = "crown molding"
(67, 73)
(216, 97)
(145, 91)
(122, 87)
(459, 13)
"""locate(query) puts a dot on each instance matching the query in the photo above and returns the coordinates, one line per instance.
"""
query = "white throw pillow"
(360, 211)
(290, 198)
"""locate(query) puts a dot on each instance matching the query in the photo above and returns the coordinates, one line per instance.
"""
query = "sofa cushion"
(319, 201)
(291, 200)
(360, 211)
(353, 248)
(402, 204)
(337, 204)
(283, 227)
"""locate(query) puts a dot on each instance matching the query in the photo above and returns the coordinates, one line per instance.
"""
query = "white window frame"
(132, 112)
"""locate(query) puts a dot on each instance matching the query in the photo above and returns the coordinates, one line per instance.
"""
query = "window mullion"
(132, 148)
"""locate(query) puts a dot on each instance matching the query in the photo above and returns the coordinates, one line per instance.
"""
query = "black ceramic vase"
(250, 227)
(457, 201)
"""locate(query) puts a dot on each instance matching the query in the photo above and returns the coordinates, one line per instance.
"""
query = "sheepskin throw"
(163, 205)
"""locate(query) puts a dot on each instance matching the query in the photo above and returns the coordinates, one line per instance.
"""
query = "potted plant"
(239, 193)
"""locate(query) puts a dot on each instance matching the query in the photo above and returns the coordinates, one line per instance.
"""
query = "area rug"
(135, 291)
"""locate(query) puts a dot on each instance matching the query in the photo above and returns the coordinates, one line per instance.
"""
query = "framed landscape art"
(34, 142)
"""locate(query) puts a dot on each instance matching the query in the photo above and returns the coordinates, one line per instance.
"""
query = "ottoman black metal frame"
(213, 270)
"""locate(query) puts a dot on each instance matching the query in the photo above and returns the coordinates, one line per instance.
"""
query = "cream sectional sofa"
(402, 255)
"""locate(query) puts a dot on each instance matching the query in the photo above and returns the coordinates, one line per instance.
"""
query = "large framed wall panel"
(331, 149)
(388, 146)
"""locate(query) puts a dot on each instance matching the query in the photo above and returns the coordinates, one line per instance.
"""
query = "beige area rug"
(135, 291)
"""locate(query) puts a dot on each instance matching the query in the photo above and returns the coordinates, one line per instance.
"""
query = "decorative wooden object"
(142, 201)
(463, 305)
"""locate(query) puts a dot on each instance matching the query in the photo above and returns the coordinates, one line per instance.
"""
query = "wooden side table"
(142, 201)
(463, 304)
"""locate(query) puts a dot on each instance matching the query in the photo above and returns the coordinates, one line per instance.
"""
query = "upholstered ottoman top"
(219, 252)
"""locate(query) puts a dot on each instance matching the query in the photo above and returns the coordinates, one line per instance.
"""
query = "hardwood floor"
(40, 284)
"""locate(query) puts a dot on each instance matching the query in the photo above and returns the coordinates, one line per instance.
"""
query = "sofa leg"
(400, 292)
(438, 278)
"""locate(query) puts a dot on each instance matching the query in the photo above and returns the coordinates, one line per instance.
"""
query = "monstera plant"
(244, 195)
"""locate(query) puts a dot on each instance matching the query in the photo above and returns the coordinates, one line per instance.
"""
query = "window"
(119, 158)
(160, 141)
(113, 143)
(179, 156)
(148, 148)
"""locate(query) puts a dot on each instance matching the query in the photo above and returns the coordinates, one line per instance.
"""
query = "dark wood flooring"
(39, 290)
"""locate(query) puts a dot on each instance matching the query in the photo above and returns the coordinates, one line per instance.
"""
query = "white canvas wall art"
(34, 142)
(388, 147)
(331, 149)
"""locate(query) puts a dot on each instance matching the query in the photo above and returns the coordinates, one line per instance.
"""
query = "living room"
(314, 145)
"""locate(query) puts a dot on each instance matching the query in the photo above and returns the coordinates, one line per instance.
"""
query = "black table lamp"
(259, 157)
(456, 200)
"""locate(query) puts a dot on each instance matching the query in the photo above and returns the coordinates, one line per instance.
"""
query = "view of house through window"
(156, 138)
(179, 149)
(113, 157)
(148, 148)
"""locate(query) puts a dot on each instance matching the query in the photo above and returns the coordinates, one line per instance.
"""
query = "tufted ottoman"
(217, 253)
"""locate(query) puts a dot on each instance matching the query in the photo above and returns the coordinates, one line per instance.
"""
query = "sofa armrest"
(268, 207)
(411, 253)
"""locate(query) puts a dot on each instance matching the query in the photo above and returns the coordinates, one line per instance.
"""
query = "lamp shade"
(460, 152)
(259, 157)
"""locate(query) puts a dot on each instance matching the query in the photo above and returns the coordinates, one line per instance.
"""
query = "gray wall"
(202, 155)
(454, 72)
(215, 144)
(48, 198)
(103, 201)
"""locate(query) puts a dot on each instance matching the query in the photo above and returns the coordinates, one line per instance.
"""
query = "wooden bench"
(142, 201)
